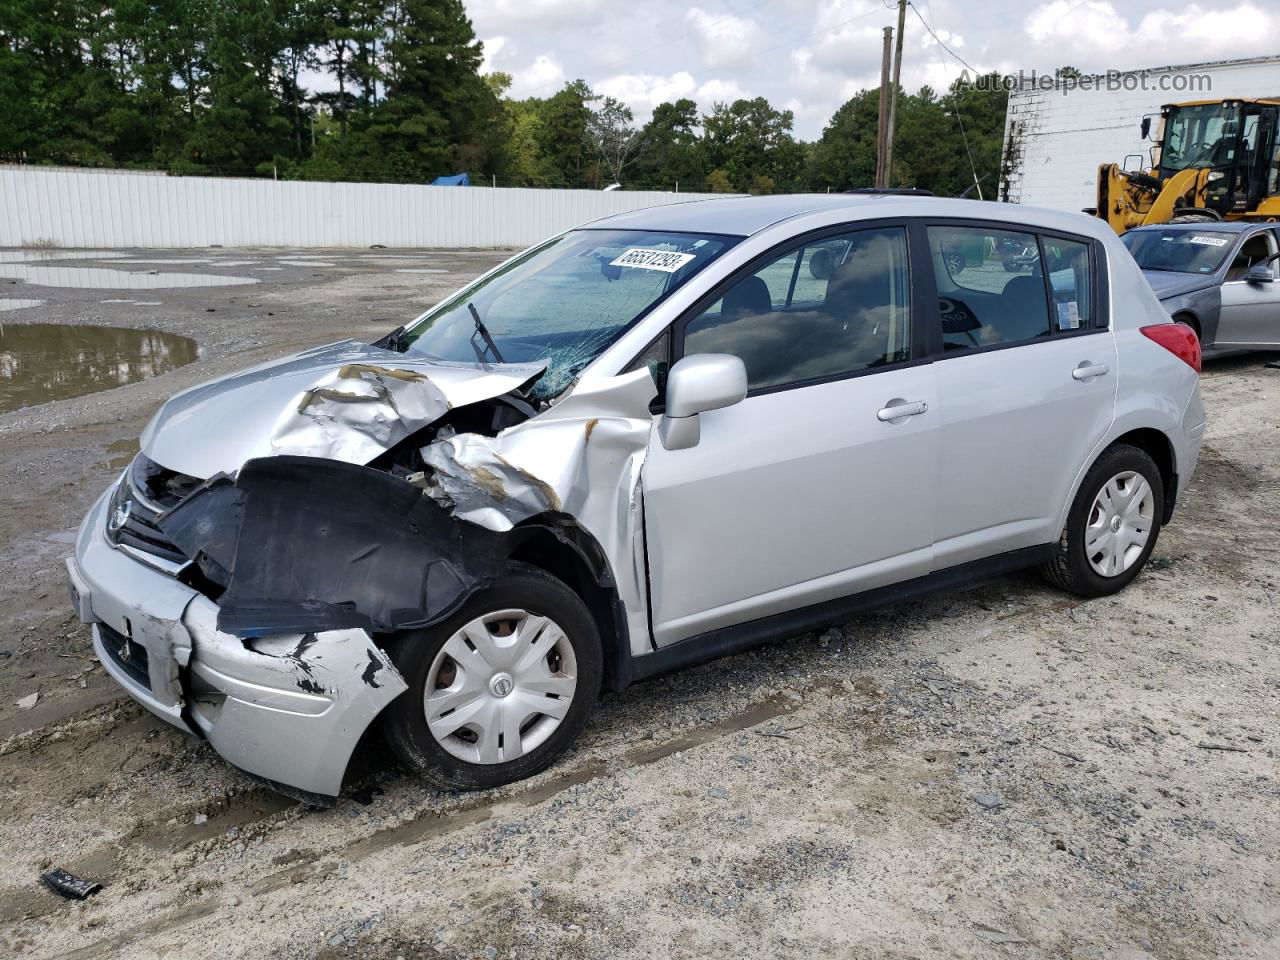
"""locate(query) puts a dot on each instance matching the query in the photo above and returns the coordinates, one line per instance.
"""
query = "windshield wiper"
(394, 341)
(484, 332)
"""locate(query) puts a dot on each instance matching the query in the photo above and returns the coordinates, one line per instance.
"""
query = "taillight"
(1178, 339)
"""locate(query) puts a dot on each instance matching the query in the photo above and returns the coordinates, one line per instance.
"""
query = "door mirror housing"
(696, 384)
(1260, 273)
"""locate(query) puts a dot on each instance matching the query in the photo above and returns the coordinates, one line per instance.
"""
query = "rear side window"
(991, 287)
(825, 308)
(1071, 280)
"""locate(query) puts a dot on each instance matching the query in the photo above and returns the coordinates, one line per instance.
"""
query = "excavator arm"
(1128, 200)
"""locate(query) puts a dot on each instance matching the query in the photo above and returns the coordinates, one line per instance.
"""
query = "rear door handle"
(1087, 370)
(899, 409)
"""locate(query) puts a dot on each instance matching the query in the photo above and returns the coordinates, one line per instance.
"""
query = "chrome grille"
(143, 494)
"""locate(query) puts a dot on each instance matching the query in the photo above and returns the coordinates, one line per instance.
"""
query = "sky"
(810, 56)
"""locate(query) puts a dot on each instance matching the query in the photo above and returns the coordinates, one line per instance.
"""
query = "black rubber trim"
(629, 668)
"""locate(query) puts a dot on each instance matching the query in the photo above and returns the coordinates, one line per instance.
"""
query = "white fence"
(97, 209)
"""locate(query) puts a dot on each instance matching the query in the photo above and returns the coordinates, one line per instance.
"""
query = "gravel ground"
(1002, 772)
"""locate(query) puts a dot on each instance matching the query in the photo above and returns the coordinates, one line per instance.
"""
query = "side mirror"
(702, 382)
(1146, 127)
(1260, 273)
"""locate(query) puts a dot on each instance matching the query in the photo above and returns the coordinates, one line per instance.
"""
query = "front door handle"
(1087, 370)
(899, 409)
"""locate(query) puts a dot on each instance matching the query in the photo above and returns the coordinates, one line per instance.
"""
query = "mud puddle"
(40, 362)
(104, 278)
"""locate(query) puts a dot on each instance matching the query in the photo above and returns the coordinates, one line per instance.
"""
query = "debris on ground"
(69, 885)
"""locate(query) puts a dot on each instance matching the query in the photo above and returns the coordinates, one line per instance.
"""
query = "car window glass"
(990, 286)
(1068, 263)
(778, 277)
(1254, 250)
(852, 313)
(654, 359)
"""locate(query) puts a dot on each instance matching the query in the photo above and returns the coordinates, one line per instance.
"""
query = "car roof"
(1216, 226)
(745, 216)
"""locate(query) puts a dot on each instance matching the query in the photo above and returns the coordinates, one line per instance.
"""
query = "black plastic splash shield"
(325, 545)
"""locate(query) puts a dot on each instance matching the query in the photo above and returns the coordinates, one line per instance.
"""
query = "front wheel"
(1112, 526)
(500, 689)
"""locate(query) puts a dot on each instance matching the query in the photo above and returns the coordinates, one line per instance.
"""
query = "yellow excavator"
(1212, 160)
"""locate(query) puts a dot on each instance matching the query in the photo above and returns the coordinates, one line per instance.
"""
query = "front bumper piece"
(287, 708)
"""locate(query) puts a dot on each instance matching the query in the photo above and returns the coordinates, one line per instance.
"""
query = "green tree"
(564, 137)
(749, 139)
(436, 105)
(670, 150)
(612, 130)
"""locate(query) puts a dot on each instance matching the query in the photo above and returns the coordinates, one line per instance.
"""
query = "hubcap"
(500, 686)
(1119, 524)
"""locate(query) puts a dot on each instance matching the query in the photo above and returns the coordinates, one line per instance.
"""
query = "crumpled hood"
(1167, 284)
(346, 401)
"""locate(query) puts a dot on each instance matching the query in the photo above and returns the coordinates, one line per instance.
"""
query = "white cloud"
(492, 48)
(725, 41)
(504, 13)
(717, 90)
(1095, 35)
(541, 78)
(643, 91)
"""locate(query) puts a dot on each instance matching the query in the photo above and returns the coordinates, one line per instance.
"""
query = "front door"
(1250, 314)
(814, 487)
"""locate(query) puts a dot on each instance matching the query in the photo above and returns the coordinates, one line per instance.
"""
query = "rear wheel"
(1112, 526)
(500, 689)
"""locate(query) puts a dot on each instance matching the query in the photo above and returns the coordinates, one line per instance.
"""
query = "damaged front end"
(252, 607)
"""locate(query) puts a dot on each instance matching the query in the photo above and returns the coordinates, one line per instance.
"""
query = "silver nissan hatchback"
(651, 441)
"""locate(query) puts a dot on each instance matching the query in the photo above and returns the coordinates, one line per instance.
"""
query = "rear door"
(1251, 311)
(1026, 378)
(810, 489)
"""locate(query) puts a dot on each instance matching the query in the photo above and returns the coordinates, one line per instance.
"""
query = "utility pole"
(893, 96)
(884, 105)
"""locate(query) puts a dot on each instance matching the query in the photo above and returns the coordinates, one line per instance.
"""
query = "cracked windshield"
(563, 302)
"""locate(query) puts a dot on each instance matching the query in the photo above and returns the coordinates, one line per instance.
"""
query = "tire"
(475, 684)
(955, 262)
(1073, 568)
(1192, 322)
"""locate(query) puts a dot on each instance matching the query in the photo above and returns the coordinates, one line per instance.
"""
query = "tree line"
(220, 87)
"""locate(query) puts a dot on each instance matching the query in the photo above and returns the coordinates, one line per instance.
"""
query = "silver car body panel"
(582, 457)
(347, 401)
(790, 498)
(289, 709)
(773, 480)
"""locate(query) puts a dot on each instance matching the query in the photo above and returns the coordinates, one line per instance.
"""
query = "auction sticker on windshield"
(1210, 241)
(645, 258)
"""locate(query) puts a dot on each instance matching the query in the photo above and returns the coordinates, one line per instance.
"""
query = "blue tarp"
(457, 180)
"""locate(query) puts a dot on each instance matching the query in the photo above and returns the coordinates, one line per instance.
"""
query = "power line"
(921, 18)
(955, 99)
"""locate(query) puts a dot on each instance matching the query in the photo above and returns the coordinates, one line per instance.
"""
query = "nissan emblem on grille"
(120, 516)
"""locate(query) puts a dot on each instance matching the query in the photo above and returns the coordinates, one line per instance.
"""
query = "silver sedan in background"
(1217, 278)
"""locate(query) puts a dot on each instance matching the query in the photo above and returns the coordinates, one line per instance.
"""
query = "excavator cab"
(1213, 160)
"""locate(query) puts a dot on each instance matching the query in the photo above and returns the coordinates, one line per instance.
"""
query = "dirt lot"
(1004, 772)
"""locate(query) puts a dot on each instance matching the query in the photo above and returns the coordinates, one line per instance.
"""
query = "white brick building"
(1054, 140)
